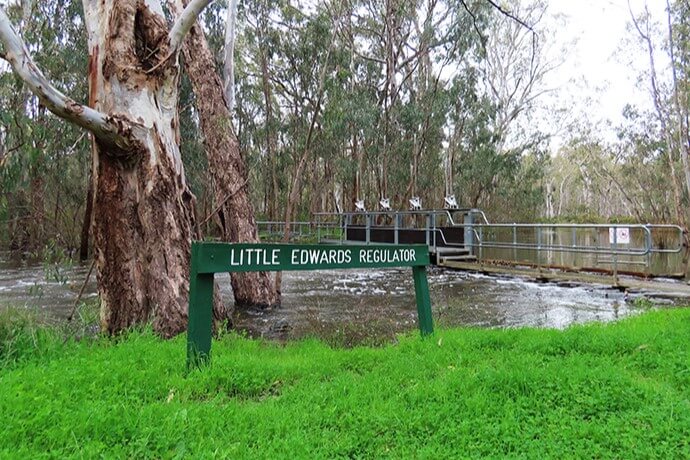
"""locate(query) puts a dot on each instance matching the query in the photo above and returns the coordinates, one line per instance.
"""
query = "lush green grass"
(618, 390)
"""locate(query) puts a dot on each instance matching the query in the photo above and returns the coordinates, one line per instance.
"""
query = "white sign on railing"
(621, 236)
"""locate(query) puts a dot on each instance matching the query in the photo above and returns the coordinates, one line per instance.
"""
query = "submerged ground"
(616, 390)
(353, 306)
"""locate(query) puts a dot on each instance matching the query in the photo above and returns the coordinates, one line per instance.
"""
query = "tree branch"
(105, 128)
(229, 58)
(510, 15)
(474, 23)
(225, 200)
(523, 24)
(184, 23)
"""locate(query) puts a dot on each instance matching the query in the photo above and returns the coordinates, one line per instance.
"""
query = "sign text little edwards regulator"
(209, 258)
(270, 258)
(278, 257)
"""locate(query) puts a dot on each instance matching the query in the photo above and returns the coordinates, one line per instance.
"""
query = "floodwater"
(354, 306)
(666, 258)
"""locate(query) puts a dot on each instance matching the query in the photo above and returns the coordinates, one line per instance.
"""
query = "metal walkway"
(465, 239)
(465, 236)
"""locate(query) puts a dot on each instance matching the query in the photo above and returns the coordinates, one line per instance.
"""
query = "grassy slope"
(618, 390)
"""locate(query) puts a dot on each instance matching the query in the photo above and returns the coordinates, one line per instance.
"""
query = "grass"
(618, 390)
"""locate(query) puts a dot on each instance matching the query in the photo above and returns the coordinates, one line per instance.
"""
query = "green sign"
(210, 258)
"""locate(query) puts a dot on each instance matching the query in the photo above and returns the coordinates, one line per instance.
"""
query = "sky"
(601, 64)
(603, 61)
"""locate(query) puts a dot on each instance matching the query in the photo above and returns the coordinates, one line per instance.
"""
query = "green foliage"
(643, 303)
(314, 81)
(587, 218)
(384, 112)
(26, 336)
(598, 391)
(45, 169)
(20, 336)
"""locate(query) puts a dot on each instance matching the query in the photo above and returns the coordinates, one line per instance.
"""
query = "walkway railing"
(275, 230)
(483, 238)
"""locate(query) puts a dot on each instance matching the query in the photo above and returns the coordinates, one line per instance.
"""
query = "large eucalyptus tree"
(143, 209)
(215, 103)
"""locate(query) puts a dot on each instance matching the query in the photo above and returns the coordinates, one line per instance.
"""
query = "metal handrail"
(448, 213)
(278, 227)
(282, 222)
(646, 228)
(556, 248)
(444, 212)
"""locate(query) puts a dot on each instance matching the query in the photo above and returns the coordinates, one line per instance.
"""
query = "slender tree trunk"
(271, 142)
(2, 145)
(656, 96)
(295, 183)
(86, 224)
(227, 166)
(229, 59)
(681, 128)
(36, 207)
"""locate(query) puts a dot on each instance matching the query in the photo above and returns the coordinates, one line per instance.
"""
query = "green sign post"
(210, 258)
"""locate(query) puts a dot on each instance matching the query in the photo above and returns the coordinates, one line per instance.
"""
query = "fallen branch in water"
(81, 291)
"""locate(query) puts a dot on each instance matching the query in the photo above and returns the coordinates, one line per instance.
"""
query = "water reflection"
(383, 300)
(355, 305)
(50, 289)
(658, 264)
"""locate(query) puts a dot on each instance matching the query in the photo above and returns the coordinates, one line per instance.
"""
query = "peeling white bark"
(229, 58)
(185, 22)
(143, 210)
(15, 52)
(91, 21)
(142, 222)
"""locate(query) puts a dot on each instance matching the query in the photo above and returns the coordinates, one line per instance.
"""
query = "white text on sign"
(241, 257)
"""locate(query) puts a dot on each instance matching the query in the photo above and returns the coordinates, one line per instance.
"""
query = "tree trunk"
(656, 96)
(297, 178)
(86, 224)
(271, 142)
(143, 209)
(229, 59)
(36, 208)
(2, 146)
(227, 167)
